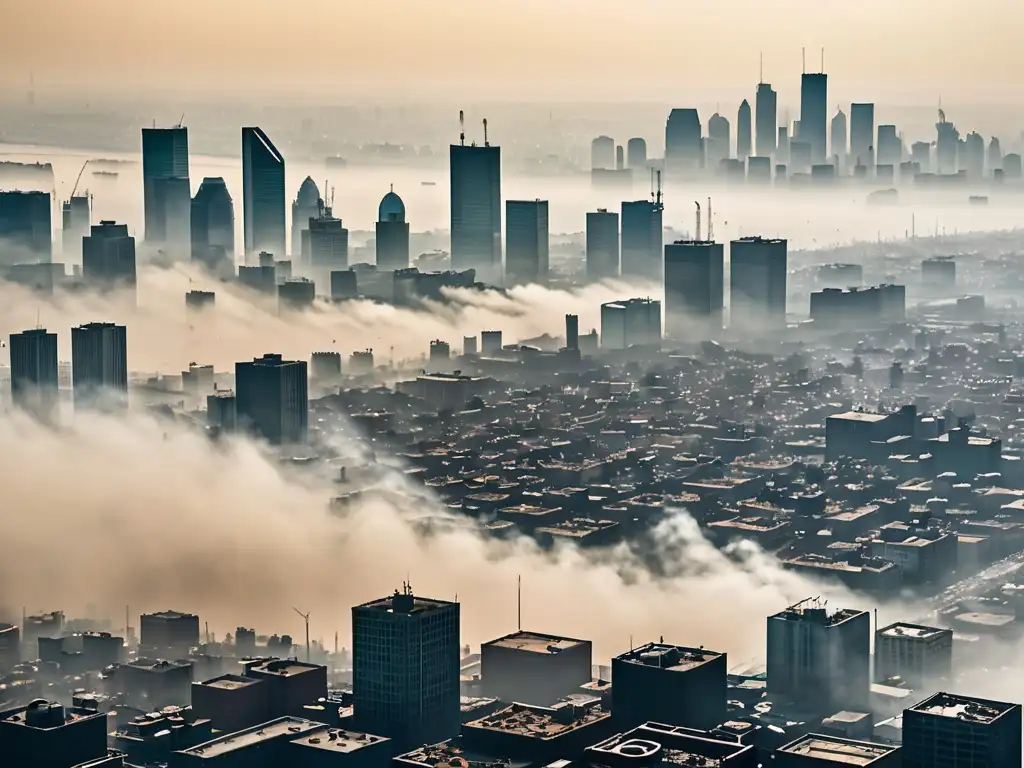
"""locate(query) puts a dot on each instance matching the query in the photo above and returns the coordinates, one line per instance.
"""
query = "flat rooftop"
(963, 708)
(230, 682)
(534, 642)
(258, 734)
(169, 615)
(405, 603)
(913, 631)
(283, 667)
(676, 658)
(811, 610)
(840, 751)
(859, 416)
(18, 716)
(157, 665)
(338, 740)
(538, 722)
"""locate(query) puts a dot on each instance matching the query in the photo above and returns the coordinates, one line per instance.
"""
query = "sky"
(644, 50)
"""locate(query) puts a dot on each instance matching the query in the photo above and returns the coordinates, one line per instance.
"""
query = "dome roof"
(309, 193)
(391, 208)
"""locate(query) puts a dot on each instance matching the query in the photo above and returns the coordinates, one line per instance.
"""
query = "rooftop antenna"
(697, 233)
(181, 121)
(823, 59)
(760, 75)
(519, 605)
(803, 61)
(486, 142)
(711, 223)
(305, 618)
(462, 128)
(657, 199)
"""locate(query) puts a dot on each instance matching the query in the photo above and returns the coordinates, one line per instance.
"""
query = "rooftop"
(675, 658)
(859, 416)
(963, 708)
(337, 740)
(834, 750)
(914, 631)
(405, 602)
(812, 609)
(282, 667)
(258, 734)
(535, 642)
(230, 682)
(169, 615)
(540, 722)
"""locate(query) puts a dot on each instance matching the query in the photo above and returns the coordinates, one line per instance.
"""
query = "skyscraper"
(683, 145)
(636, 154)
(950, 731)
(25, 228)
(108, 256)
(602, 244)
(641, 240)
(34, 380)
(946, 146)
(213, 226)
(838, 138)
(76, 218)
(814, 114)
(164, 156)
(635, 322)
(325, 244)
(862, 134)
(767, 104)
(602, 153)
(392, 233)
(99, 366)
(757, 292)
(889, 148)
(272, 398)
(694, 288)
(263, 197)
(476, 209)
(718, 142)
(973, 155)
(743, 131)
(305, 207)
(526, 242)
(405, 668)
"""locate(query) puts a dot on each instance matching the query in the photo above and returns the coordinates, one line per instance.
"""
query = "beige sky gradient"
(613, 49)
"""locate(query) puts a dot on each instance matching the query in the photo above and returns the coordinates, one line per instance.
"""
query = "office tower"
(602, 153)
(572, 332)
(620, 158)
(767, 105)
(921, 155)
(526, 242)
(950, 731)
(263, 198)
(305, 207)
(325, 244)
(392, 233)
(108, 256)
(814, 114)
(534, 668)
(889, 148)
(838, 138)
(946, 146)
(213, 226)
(862, 135)
(669, 684)
(34, 381)
(782, 146)
(995, 156)
(632, 323)
(757, 293)
(716, 147)
(819, 659)
(476, 210)
(76, 218)
(99, 365)
(694, 288)
(25, 230)
(469, 345)
(262, 278)
(405, 668)
(296, 293)
(173, 197)
(636, 154)
(344, 285)
(641, 240)
(683, 143)
(974, 156)
(744, 140)
(272, 398)
(164, 156)
(921, 656)
(759, 169)
(602, 244)
(490, 342)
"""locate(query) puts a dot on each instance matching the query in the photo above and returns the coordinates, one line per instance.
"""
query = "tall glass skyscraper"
(814, 114)
(526, 242)
(766, 104)
(476, 210)
(213, 226)
(34, 380)
(164, 156)
(263, 196)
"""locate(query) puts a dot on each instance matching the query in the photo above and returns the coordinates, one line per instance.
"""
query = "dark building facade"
(684, 147)
(213, 226)
(164, 156)
(950, 731)
(814, 114)
(392, 232)
(272, 398)
(641, 240)
(34, 381)
(766, 104)
(862, 135)
(25, 228)
(108, 256)
(757, 286)
(694, 288)
(263, 195)
(305, 207)
(602, 245)
(76, 218)
(99, 365)
(526, 242)
(476, 210)
(533, 668)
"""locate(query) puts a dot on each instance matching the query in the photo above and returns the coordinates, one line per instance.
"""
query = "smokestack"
(572, 332)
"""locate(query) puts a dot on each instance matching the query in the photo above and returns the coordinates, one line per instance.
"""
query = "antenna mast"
(486, 142)
(462, 128)
(761, 73)
(697, 232)
(823, 59)
(803, 61)
(711, 223)
(305, 618)
(657, 199)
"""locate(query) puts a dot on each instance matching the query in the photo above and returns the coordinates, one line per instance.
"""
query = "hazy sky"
(642, 49)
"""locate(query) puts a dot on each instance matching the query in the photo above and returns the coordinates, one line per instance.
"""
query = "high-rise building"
(602, 153)
(272, 398)
(636, 154)
(718, 142)
(838, 139)
(34, 380)
(172, 196)
(922, 656)
(921, 155)
(631, 323)
(862, 135)
(164, 156)
(819, 659)
(99, 365)
(973, 155)
(641, 240)
(305, 207)
(25, 228)
(757, 290)
(602, 244)
(263, 196)
(405, 668)
(694, 288)
(392, 233)
(476, 210)
(526, 242)
(744, 139)
(108, 256)
(950, 731)
(994, 159)
(572, 332)
(782, 146)
(683, 143)
(814, 114)
(889, 147)
(213, 226)
(946, 146)
(76, 218)
(325, 244)
(767, 105)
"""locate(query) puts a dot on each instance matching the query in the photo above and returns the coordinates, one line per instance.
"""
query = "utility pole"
(305, 617)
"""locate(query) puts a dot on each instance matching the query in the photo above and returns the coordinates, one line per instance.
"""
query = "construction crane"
(305, 618)
(181, 121)
(79, 178)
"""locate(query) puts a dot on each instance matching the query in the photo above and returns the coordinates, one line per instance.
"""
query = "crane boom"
(78, 178)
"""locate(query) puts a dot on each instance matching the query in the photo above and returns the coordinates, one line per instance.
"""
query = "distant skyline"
(652, 50)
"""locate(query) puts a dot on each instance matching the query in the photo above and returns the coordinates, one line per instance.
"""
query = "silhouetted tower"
(34, 379)
(263, 195)
(718, 142)
(392, 233)
(213, 226)
(636, 154)
(526, 242)
(306, 206)
(767, 105)
(164, 156)
(572, 332)
(476, 208)
(814, 114)
(862, 134)
(602, 244)
(683, 144)
(743, 132)
(839, 143)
